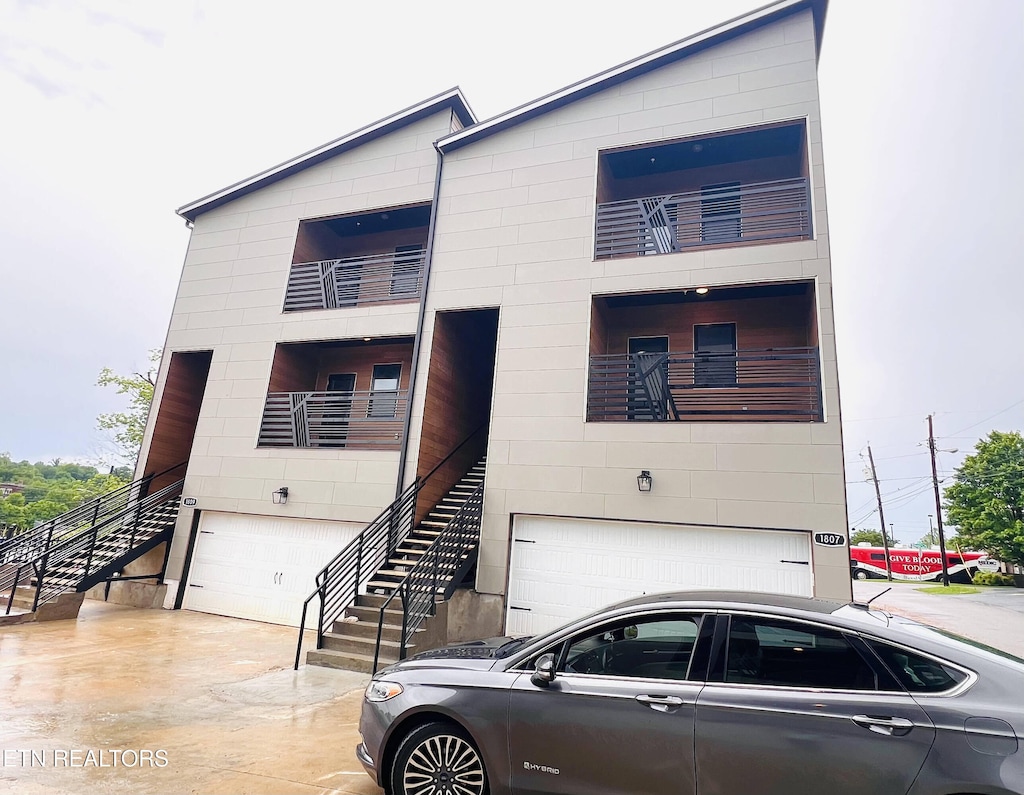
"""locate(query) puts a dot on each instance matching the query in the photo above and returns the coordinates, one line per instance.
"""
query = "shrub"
(992, 578)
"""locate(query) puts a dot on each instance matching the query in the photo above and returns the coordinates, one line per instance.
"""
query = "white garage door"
(260, 567)
(564, 568)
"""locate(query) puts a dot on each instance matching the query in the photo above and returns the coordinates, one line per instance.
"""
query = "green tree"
(986, 500)
(129, 426)
(873, 537)
(49, 489)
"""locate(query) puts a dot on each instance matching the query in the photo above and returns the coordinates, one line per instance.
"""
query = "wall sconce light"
(644, 481)
(280, 497)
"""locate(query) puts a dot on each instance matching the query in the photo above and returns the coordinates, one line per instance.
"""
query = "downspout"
(399, 487)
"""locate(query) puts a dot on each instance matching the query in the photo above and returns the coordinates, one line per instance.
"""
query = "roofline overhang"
(452, 98)
(639, 66)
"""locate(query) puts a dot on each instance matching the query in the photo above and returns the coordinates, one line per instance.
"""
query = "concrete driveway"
(172, 702)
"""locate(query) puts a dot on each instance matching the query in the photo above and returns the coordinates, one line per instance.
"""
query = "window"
(714, 348)
(656, 648)
(384, 390)
(405, 274)
(776, 652)
(720, 212)
(916, 673)
(877, 556)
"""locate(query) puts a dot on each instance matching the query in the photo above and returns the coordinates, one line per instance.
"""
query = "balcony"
(338, 393)
(365, 419)
(714, 216)
(748, 385)
(354, 281)
(718, 353)
(740, 187)
(355, 260)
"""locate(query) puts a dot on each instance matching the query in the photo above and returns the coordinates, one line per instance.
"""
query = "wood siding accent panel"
(457, 399)
(178, 414)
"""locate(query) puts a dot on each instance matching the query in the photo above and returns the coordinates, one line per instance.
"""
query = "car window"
(916, 673)
(655, 648)
(777, 652)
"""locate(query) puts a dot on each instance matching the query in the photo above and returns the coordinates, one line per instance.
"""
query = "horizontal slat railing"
(753, 385)
(433, 573)
(759, 211)
(352, 281)
(363, 419)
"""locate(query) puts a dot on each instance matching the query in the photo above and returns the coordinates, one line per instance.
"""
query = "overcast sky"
(117, 112)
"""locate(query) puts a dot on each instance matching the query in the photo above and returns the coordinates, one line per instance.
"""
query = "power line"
(992, 417)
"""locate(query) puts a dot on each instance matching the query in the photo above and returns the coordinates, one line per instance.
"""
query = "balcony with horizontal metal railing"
(720, 215)
(355, 281)
(772, 384)
(357, 419)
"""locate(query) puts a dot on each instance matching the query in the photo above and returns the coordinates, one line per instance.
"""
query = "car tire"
(860, 574)
(438, 758)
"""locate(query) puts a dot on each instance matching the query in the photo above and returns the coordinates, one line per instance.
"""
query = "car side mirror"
(544, 670)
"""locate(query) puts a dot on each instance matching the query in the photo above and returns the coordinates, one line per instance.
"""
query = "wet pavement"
(158, 701)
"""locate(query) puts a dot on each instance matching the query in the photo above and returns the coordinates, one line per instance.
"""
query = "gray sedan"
(703, 693)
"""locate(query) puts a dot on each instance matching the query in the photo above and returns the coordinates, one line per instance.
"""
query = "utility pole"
(881, 516)
(938, 505)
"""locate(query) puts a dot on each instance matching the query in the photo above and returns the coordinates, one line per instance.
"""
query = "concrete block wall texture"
(515, 229)
(229, 301)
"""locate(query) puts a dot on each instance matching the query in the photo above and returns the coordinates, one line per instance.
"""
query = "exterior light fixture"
(702, 291)
(644, 481)
(367, 339)
(280, 497)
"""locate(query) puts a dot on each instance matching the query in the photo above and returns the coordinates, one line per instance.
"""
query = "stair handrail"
(441, 561)
(115, 528)
(65, 548)
(71, 520)
(338, 582)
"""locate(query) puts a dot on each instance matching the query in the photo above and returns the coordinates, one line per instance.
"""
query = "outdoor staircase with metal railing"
(87, 545)
(376, 629)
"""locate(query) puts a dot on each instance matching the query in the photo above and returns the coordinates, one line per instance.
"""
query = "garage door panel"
(564, 568)
(260, 568)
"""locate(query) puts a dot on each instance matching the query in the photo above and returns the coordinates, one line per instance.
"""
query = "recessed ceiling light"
(367, 339)
(702, 291)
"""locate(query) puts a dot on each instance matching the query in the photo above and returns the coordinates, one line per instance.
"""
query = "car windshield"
(508, 648)
(934, 633)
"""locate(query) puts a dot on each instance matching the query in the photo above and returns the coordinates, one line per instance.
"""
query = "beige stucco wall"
(515, 230)
(229, 301)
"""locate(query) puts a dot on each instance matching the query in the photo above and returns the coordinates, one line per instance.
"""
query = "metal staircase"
(377, 592)
(88, 545)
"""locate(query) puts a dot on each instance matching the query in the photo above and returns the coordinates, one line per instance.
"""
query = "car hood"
(474, 649)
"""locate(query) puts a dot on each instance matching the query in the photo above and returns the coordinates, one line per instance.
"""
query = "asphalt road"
(994, 616)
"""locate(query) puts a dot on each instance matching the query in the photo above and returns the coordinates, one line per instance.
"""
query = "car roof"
(710, 598)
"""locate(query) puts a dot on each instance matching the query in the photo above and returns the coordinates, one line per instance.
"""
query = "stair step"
(361, 645)
(371, 615)
(348, 661)
(367, 629)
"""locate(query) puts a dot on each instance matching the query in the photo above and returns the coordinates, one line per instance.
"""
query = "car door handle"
(661, 703)
(890, 727)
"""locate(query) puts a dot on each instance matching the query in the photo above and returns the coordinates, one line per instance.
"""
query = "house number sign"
(829, 540)
(188, 501)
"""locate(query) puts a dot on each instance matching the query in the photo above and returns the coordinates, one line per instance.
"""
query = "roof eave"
(638, 66)
(452, 98)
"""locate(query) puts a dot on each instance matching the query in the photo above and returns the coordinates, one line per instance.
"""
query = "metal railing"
(353, 281)
(713, 216)
(68, 564)
(435, 574)
(753, 385)
(339, 582)
(360, 419)
(32, 543)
